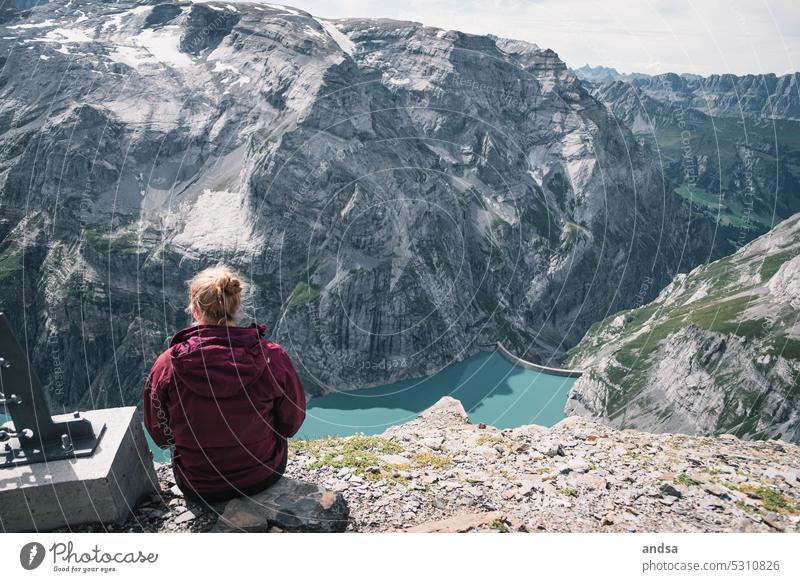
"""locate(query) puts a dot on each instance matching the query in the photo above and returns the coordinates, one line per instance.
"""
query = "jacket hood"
(219, 361)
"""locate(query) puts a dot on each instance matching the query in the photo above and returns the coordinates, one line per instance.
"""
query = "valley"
(397, 197)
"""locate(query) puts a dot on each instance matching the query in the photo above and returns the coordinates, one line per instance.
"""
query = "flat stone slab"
(288, 505)
(466, 522)
(103, 488)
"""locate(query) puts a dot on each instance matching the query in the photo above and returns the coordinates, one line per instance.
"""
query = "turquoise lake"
(492, 389)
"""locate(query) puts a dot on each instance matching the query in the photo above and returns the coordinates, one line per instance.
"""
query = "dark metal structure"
(35, 436)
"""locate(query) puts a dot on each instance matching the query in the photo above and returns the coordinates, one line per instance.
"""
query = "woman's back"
(225, 399)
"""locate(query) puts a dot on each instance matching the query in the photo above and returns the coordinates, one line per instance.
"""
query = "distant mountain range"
(729, 144)
(601, 74)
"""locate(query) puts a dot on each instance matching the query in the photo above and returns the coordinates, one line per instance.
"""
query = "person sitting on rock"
(222, 397)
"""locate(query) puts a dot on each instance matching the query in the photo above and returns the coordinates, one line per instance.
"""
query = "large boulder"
(289, 505)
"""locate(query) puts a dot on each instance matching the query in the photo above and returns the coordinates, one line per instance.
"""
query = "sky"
(646, 36)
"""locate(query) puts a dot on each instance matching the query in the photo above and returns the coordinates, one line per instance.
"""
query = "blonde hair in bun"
(215, 294)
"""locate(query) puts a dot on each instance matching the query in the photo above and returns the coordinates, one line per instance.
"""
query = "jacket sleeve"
(155, 404)
(290, 410)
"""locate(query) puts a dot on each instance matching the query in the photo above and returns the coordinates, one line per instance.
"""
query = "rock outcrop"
(289, 505)
(577, 476)
(395, 194)
(439, 473)
(718, 350)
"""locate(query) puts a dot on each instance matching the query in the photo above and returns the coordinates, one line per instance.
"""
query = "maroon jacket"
(225, 399)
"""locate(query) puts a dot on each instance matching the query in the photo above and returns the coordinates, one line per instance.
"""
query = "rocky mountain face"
(439, 473)
(396, 195)
(729, 144)
(717, 352)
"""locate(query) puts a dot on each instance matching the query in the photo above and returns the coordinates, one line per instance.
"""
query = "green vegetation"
(124, 243)
(709, 314)
(357, 452)
(684, 479)
(499, 525)
(713, 206)
(641, 315)
(721, 141)
(559, 186)
(302, 294)
(489, 438)
(574, 231)
(772, 500)
(699, 196)
(10, 262)
(785, 347)
(639, 349)
(774, 262)
(13, 247)
(262, 139)
(431, 460)
(720, 274)
(34, 221)
(721, 310)
(722, 318)
(568, 491)
(498, 223)
(362, 455)
(485, 301)
(542, 219)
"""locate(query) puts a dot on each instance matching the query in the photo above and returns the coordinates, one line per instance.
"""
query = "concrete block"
(102, 488)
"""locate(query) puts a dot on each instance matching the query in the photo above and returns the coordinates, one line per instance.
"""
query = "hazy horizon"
(651, 37)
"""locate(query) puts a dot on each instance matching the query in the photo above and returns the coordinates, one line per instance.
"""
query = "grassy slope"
(722, 309)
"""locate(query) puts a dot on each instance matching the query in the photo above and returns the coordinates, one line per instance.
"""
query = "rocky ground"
(576, 476)
(441, 473)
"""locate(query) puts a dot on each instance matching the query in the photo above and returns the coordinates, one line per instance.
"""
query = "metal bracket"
(35, 436)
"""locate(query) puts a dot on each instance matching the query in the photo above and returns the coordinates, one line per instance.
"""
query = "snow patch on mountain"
(26, 25)
(220, 221)
(153, 46)
(338, 36)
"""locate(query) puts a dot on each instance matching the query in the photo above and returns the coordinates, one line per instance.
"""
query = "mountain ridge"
(417, 192)
(717, 351)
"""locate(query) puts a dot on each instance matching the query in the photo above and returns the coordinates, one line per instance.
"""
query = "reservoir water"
(492, 389)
